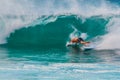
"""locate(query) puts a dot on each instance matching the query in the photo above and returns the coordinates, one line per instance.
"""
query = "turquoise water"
(34, 33)
(56, 64)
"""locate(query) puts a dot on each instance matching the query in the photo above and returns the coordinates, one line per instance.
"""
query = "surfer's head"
(80, 39)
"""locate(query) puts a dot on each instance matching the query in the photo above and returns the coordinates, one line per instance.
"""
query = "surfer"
(79, 40)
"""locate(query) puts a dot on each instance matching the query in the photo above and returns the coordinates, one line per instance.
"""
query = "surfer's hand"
(88, 42)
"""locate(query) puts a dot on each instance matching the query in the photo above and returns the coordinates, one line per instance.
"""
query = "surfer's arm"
(85, 43)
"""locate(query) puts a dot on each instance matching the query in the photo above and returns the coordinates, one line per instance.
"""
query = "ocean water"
(34, 34)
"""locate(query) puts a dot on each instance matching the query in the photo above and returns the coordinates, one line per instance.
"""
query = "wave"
(46, 23)
(54, 31)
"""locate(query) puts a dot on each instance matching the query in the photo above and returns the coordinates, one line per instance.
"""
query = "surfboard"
(70, 44)
(87, 47)
(83, 48)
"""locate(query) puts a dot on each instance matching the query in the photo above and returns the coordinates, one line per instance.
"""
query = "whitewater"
(34, 33)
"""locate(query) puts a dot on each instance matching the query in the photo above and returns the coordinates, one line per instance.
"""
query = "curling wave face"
(54, 31)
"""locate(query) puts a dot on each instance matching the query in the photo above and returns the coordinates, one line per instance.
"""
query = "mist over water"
(111, 40)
